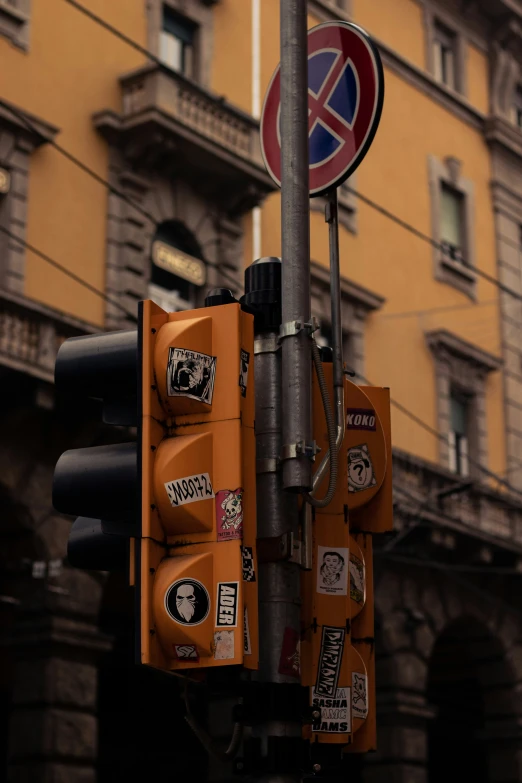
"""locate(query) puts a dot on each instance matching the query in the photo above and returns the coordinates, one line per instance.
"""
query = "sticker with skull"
(360, 469)
(229, 514)
(187, 602)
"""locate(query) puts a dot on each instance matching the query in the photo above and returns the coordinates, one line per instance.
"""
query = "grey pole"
(296, 354)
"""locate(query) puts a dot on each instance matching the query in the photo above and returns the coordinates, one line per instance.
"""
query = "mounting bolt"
(316, 768)
(316, 714)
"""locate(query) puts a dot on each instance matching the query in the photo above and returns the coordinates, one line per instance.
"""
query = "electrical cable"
(332, 434)
(68, 273)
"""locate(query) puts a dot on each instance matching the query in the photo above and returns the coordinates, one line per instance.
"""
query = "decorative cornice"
(45, 132)
(359, 295)
(499, 131)
(441, 340)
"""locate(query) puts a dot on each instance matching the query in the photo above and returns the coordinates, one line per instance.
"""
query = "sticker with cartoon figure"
(229, 514)
(247, 557)
(243, 372)
(332, 570)
(247, 647)
(187, 602)
(334, 712)
(191, 374)
(360, 469)
(223, 645)
(359, 695)
(356, 579)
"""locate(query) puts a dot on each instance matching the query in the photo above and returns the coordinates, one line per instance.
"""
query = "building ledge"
(500, 131)
(170, 121)
(43, 131)
(441, 340)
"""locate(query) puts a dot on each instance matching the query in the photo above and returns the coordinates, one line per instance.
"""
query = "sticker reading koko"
(229, 514)
(227, 601)
(332, 570)
(360, 469)
(330, 657)
(187, 602)
(189, 489)
(191, 374)
(360, 419)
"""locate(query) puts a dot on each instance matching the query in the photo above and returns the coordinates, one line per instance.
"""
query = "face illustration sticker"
(187, 602)
(332, 570)
(359, 695)
(360, 469)
(191, 374)
(229, 514)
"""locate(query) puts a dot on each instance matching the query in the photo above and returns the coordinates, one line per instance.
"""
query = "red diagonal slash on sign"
(318, 107)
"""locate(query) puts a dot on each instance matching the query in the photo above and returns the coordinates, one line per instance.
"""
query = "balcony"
(31, 333)
(170, 124)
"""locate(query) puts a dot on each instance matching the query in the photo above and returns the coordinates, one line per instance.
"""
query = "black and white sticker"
(335, 717)
(360, 419)
(186, 652)
(187, 602)
(360, 469)
(247, 556)
(357, 580)
(226, 608)
(359, 695)
(189, 489)
(247, 647)
(332, 570)
(243, 372)
(191, 374)
(331, 655)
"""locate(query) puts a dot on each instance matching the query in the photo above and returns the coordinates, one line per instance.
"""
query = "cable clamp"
(300, 449)
(291, 328)
(266, 345)
(269, 465)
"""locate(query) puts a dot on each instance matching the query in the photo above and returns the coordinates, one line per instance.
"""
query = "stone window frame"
(434, 15)
(320, 7)
(15, 22)
(17, 143)
(356, 304)
(464, 367)
(448, 172)
(200, 13)
(346, 205)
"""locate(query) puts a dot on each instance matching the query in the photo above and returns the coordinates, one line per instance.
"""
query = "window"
(14, 21)
(445, 56)
(452, 231)
(516, 108)
(458, 436)
(177, 43)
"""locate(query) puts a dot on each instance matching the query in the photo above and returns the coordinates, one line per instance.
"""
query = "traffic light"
(178, 507)
(337, 619)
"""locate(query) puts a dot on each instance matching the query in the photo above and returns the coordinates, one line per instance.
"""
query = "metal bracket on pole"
(284, 547)
(291, 328)
(293, 450)
(266, 345)
(269, 465)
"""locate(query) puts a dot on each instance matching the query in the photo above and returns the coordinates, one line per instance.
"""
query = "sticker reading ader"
(227, 601)
(191, 374)
(189, 489)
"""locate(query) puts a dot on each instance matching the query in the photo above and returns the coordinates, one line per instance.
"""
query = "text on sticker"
(189, 489)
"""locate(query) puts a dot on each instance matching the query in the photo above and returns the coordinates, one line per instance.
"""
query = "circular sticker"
(187, 602)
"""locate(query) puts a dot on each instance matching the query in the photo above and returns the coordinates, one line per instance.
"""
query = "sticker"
(290, 658)
(223, 645)
(360, 419)
(247, 648)
(186, 652)
(359, 695)
(187, 602)
(226, 610)
(332, 570)
(189, 489)
(191, 374)
(356, 579)
(360, 469)
(332, 645)
(229, 514)
(335, 712)
(243, 372)
(247, 556)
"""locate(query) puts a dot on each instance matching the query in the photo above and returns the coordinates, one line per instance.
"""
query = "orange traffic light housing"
(195, 560)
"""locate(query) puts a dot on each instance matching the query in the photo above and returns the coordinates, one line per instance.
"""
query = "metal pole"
(295, 223)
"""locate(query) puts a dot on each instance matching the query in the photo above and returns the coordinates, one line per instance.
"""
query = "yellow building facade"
(130, 167)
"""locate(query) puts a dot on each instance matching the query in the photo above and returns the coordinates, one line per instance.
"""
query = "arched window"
(177, 267)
